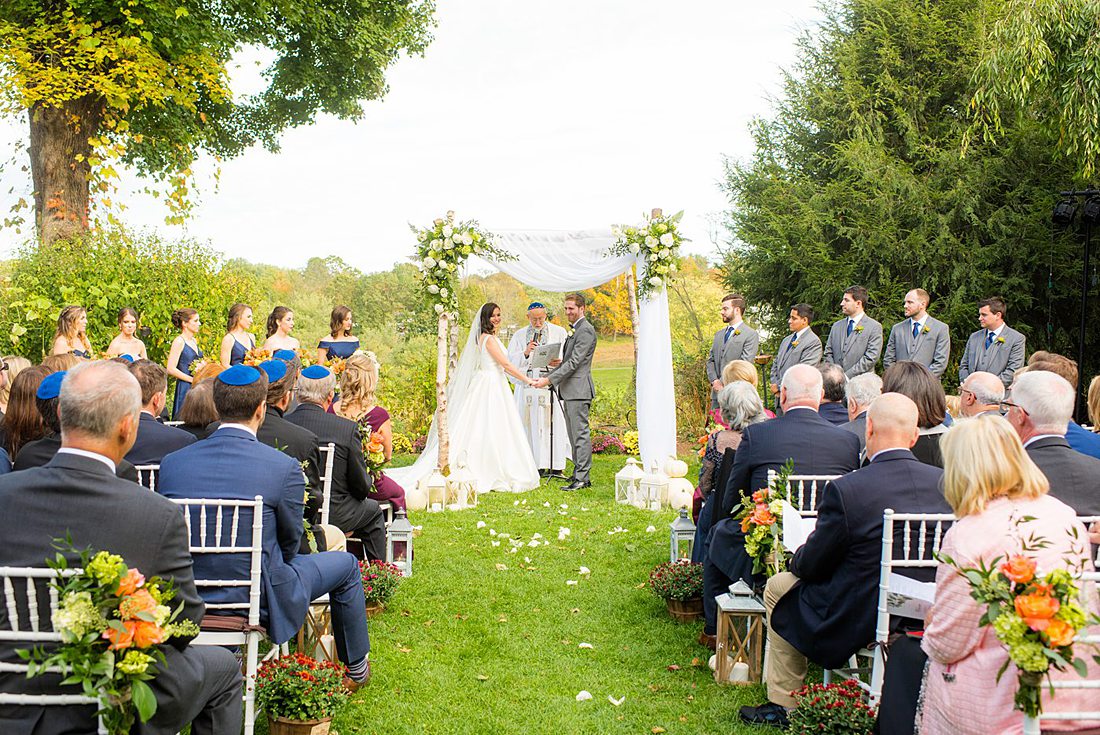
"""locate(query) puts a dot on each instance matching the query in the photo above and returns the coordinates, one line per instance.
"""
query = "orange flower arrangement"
(256, 355)
(763, 527)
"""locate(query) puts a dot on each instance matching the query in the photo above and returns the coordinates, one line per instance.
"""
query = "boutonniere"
(927, 329)
(795, 343)
(568, 332)
(736, 332)
(859, 327)
(1000, 340)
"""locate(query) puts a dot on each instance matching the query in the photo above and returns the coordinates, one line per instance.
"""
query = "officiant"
(534, 404)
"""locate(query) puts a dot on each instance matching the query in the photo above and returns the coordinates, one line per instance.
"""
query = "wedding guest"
(1000, 498)
(78, 492)
(238, 339)
(861, 391)
(733, 371)
(823, 609)
(916, 381)
(72, 333)
(981, 395)
(735, 341)
(351, 507)
(61, 363)
(340, 341)
(359, 402)
(183, 353)
(12, 366)
(5, 462)
(22, 421)
(125, 342)
(834, 406)
(1093, 403)
(855, 342)
(154, 440)
(198, 413)
(290, 580)
(995, 348)
(1079, 438)
(280, 323)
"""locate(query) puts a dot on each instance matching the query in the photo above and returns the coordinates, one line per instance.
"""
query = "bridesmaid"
(359, 402)
(71, 335)
(185, 350)
(279, 325)
(238, 340)
(340, 342)
(125, 343)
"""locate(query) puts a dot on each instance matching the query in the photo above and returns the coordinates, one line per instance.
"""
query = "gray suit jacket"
(1002, 359)
(573, 378)
(741, 346)
(858, 353)
(806, 352)
(931, 348)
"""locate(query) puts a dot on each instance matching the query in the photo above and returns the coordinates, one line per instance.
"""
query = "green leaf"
(144, 700)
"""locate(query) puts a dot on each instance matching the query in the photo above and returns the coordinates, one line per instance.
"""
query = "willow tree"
(145, 82)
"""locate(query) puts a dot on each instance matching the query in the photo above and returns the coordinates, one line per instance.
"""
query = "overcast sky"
(524, 114)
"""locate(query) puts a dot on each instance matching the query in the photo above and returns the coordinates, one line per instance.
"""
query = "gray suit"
(1002, 359)
(806, 352)
(573, 381)
(740, 346)
(856, 353)
(931, 348)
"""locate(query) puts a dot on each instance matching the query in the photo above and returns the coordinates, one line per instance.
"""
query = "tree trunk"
(59, 137)
(441, 393)
(632, 294)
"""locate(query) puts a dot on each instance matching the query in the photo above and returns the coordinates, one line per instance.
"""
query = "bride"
(484, 427)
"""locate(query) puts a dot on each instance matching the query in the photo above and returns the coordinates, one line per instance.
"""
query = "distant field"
(611, 377)
(614, 353)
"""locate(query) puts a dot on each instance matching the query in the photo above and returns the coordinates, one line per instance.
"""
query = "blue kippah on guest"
(536, 305)
(287, 355)
(127, 358)
(316, 372)
(275, 369)
(239, 375)
(50, 386)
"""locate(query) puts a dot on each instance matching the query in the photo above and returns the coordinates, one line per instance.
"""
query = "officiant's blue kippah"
(536, 305)
(275, 369)
(239, 375)
(316, 372)
(50, 387)
(287, 355)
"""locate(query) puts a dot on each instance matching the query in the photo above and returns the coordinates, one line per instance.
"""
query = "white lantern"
(626, 481)
(399, 543)
(681, 538)
(653, 489)
(461, 487)
(437, 491)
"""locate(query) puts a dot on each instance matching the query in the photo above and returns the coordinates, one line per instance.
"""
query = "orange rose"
(130, 583)
(1059, 632)
(148, 634)
(121, 640)
(1019, 569)
(375, 443)
(1037, 610)
(762, 516)
(745, 523)
(758, 497)
(137, 603)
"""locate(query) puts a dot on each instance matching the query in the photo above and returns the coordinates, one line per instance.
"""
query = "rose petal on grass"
(584, 645)
(563, 506)
(533, 543)
(496, 543)
(481, 524)
(585, 570)
(673, 667)
(482, 677)
(492, 532)
(583, 696)
(614, 701)
(536, 535)
(570, 582)
(651, 529)
(501, 568)
(546, 504)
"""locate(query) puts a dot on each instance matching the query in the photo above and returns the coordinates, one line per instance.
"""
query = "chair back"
(804, 491)
(1089, 521)
(148, 475)
(328, 456)
(173, 423)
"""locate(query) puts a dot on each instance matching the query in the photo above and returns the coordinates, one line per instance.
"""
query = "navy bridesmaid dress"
(236, 357)
(188, 356)
(343, 350)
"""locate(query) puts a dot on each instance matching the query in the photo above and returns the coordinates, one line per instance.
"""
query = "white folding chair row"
(147, 475)
(328, 455)
(172, 423)
(34, 629)
(1089, 521)
(804, 491)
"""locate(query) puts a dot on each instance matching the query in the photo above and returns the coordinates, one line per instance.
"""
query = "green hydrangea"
(1029, 656)
(106, 568)
(1010, 628)
(1072, 614)
(134, 662)
(77, 616)
(182, 629)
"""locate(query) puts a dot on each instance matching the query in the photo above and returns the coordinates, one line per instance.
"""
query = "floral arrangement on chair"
(380, 580)
(111, 620)
(442, 249)
(656, 240)
(833, 709)
(374, 453)
(297, 687)
(762, 523)
(680, 580)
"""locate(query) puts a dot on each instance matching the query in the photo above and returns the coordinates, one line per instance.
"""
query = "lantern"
(437, 491)
(740, 655)
(626, 481)
(461, 487)
(653, 489)
(682, 538)
(399, 543)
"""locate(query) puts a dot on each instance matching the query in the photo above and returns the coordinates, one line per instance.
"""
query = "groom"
(572, 377)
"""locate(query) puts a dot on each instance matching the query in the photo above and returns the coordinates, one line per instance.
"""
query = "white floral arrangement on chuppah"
(441, 251)
(657, 242)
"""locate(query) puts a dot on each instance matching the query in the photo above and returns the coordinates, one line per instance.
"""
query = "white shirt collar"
(574, 324)
(997, 331)
(856, 318)
(90, 455)
(920, 321)
(1037, 437)
(800, 408)
(736, 326)
(800, 332)
(242, 427)
(888, 449)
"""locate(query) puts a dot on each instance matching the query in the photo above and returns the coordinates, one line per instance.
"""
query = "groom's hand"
(554, 363)
(541, 383)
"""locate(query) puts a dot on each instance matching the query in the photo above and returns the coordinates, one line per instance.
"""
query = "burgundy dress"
(385, 487)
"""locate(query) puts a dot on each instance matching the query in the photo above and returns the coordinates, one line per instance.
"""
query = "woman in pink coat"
(993, 487)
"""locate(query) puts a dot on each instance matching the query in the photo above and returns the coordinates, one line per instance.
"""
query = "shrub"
(613, 406)
(380, 580)
(401, 444)
(630, 442)
(832, 709)
(300, 688)
(681, 580)
(607, 444)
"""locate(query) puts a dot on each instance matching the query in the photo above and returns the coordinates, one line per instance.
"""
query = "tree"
(145, 82)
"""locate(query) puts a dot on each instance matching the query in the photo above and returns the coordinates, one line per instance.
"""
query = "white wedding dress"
(484, 427)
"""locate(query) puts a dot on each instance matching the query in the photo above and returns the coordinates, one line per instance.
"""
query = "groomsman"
(735, 341)
(995, 348)
(800, 347)
(855, 342)
(919, 338)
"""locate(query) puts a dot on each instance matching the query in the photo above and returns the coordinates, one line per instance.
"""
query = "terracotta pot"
(685, 611)
(374, 609)
(285, 726)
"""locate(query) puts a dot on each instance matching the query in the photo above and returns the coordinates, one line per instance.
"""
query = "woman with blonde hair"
(58, 363)
(10, 366)
(72, 333)
(359, 402)
(1094, 403)
(737, 371)
(1003, 509)
(279, 325)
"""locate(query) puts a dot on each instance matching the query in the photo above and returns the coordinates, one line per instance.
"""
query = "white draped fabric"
(576, 260)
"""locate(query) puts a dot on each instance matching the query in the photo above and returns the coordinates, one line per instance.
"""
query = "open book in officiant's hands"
(546, 356)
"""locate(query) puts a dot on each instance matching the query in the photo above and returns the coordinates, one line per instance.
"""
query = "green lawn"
(612, 377)
(481, 640)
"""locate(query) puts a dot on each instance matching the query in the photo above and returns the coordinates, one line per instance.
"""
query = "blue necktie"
(989, 339)
(729, 331)
(916, 329)
(851, 326)
(794, 338)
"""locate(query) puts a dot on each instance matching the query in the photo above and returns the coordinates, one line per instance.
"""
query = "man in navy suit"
(232, 464)
(823, 609)
(814, 445)
(834, 406)
(154, 439)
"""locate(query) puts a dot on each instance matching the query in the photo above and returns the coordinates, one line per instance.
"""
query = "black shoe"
(771, 714)
(577, 485)
(568, 480)
(544, 473)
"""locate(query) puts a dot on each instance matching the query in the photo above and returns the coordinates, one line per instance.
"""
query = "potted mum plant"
(299, 694)
(380, 580)
(680, 585)
(831, 708)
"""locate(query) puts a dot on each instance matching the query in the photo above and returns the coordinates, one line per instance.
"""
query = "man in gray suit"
(800, 347)
(995, 348)
(735, 341)
(855, 342)
(919, 338)
(572, 377)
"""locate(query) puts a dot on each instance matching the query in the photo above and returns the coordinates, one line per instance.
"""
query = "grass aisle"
(483, 640)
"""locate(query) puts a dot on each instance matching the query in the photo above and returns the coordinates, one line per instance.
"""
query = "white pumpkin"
(416, 497)
(676, 467)
(680, 492)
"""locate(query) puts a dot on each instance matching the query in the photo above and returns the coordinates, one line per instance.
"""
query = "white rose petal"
(512, 550)
(570, 582)
(492, 532)
(585, 570)
(448, 230)
(495, 543)
(532, 543)
(546, 505)
(650, 529)
(667, 240)
(583, 696)
(481, 524)
(584, 645)
(614, 701)
(537, 535)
